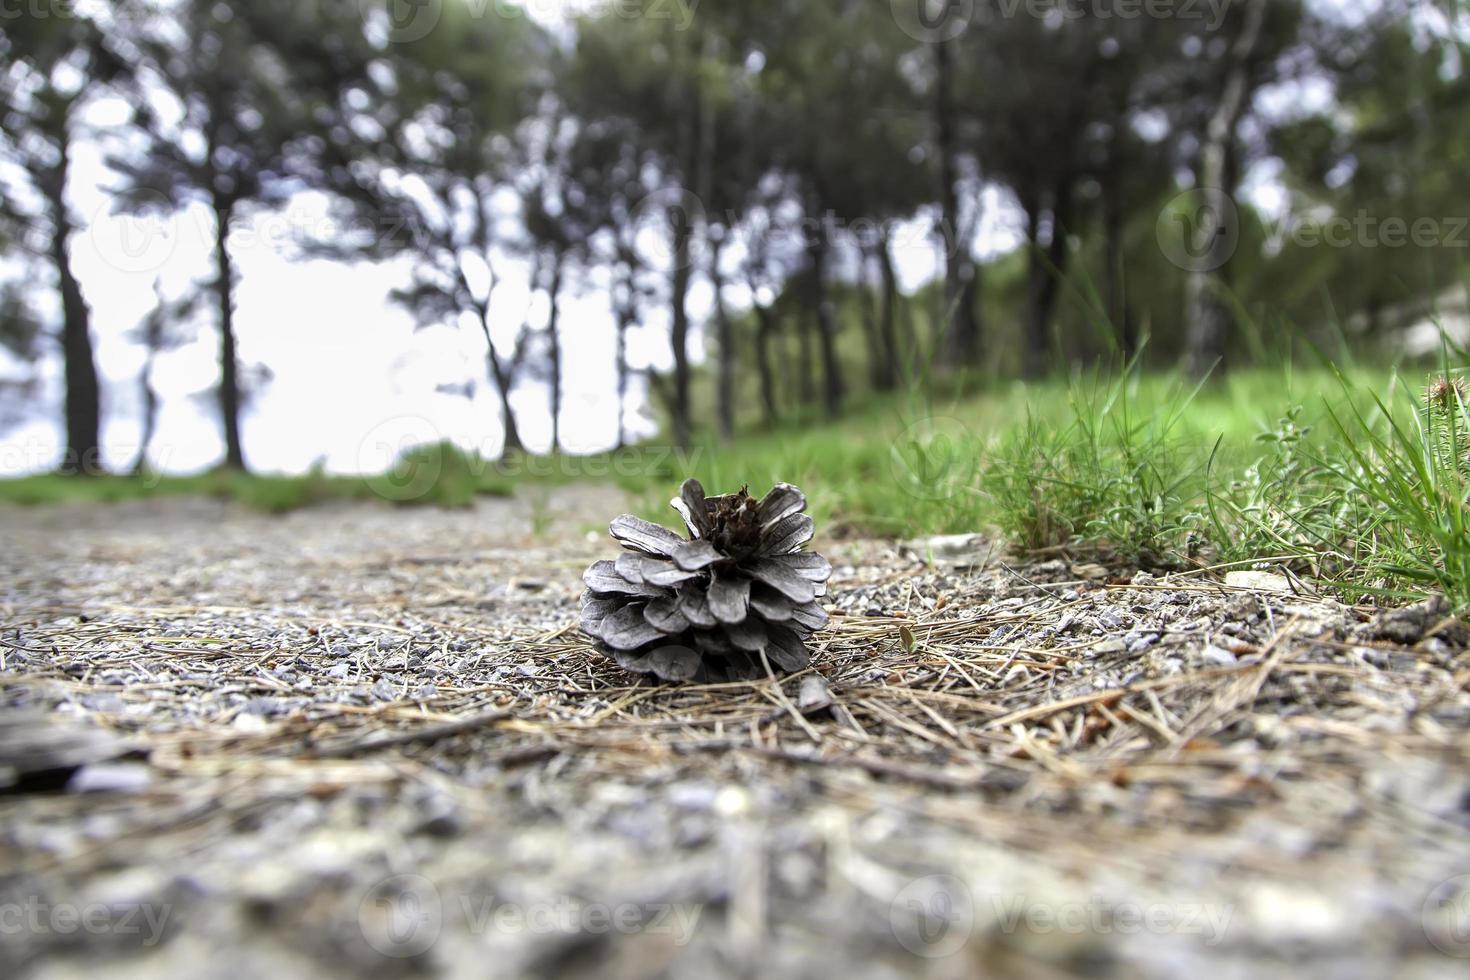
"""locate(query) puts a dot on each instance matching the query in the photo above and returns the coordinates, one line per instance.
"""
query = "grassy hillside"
(1352, 478)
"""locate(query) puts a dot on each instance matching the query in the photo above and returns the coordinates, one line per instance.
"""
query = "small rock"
(697, 797)
(1142, 643)
(954, 549)
(1049, 570)
(109, 704)
(1214, 655)
(110, 777)
(248, 722)
(1090, 571)
(1409, 624)
(1244, 608)
(442, 820)
(1258, 581)
(814, 695)
(1114, 645)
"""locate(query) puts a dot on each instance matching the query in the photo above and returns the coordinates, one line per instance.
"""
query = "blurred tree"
(231, 104)
(601, 195)
(815, 105)
(666, 85)
(49, 69)
(1218, 131)
(1207, 316)
(1032, 135)
(962, 274)
(420, 156)
(873, 171)
(164, 328)
(1388, 148)
(20, 333)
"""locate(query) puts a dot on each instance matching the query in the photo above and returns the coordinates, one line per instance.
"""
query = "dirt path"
(365, 741)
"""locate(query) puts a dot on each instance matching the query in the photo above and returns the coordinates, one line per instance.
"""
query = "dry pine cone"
(707, 608)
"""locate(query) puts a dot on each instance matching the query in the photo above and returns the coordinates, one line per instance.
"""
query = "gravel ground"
(366, 741)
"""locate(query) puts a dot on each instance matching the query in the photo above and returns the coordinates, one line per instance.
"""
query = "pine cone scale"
(693, 556)
(729, 597)
(788, 534)
(784, 580)
(645, 536)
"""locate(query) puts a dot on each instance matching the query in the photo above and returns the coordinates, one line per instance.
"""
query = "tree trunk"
(832, 385)
(553, 339)
(725, 340)
(504, 378)
(887, 316)
(806, 383)
(679, 407)
(625, 316)
(150, 405)
(229, 362)
(870, 334)
(765, 331)
(1047, 270)
(962, 329)
(83, 390)
(1115, 283)
(1207, 319)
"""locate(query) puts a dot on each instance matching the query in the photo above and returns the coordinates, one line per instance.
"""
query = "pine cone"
(706, 609)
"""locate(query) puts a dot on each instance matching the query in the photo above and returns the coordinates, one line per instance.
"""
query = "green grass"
(1348, 477)
(435, 475)
(1345, 477)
